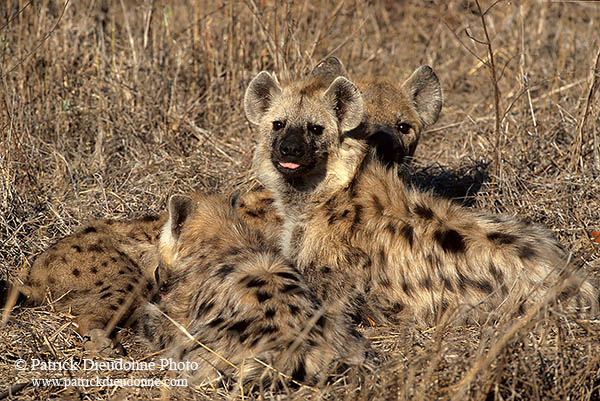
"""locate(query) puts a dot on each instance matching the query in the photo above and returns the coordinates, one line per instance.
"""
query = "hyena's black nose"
(387, 147)
(292, 145)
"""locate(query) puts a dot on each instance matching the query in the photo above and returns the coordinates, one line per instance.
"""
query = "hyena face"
(396, 114)
(308, 129)
(300, 125)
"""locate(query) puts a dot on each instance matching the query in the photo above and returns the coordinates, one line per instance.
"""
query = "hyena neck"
(343, 169)
(289, 203)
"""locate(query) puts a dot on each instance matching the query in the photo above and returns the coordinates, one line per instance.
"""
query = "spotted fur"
(100, 274)
(236, 295)
(355, 230)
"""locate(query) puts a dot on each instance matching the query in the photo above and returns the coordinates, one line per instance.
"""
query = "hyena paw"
(96, 341)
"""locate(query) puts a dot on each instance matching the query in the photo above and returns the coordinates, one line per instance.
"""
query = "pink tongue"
(290, 165)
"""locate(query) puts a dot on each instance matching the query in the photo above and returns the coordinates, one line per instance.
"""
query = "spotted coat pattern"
(356, 231)
(100, 274)
(235, 294)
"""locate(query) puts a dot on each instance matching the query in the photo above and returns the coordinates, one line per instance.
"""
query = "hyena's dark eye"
(315, 129)
(403, 128)
(277, 125)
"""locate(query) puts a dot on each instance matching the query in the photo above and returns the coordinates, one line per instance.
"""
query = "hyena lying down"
(100, 274)
(96, 273)
(388, 136)
(355, 230)
(239, 298)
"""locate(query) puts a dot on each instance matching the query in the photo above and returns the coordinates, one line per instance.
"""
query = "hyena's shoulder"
(254, 308)
(101, 273)
(257, 211)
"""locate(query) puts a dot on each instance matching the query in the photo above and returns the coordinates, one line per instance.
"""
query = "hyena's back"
(100, 273)
(421, 255)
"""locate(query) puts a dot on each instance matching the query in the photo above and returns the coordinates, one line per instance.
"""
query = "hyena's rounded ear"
(347, 102)
(259, 96)
(424, 90)
(180, 208)
(329, 69)
(234, 198)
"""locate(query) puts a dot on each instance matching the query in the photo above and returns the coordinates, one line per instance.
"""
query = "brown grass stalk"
(576, 152)
(491, 65)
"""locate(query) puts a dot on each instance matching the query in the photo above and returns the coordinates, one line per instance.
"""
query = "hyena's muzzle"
(294, 152)
(384, 144)
(389, 146)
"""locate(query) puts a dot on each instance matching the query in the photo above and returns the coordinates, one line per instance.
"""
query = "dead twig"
(491, 65)
(576, 159)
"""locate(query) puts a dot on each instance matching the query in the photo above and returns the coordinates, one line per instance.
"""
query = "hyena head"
(309, 130)
(300, 127)
(192, 218)
(395, 115)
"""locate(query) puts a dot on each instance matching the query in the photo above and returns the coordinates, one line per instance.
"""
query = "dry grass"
(108, 106)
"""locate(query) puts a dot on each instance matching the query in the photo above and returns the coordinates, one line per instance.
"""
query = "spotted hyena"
(354, 229)
(388, 136)
(100, 274)
(93, 272)
(249, 310)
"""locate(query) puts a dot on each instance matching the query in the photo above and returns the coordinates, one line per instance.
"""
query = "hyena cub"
(101, 274)
(389, 138)
(245, 305)
(352, 227)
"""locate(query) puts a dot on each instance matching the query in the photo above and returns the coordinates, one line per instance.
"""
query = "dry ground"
(108, 106)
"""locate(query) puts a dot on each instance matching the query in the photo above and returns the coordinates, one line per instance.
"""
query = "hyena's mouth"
(289, 165)
(388, 149)
(292, 168)
(293, 155)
